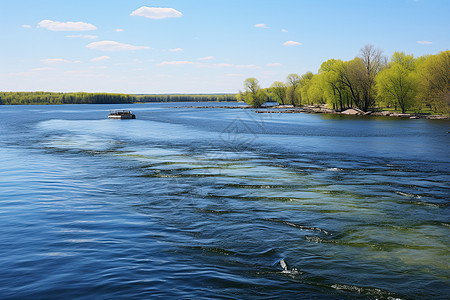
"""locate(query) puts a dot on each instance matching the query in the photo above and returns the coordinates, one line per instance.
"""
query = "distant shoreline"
(50, 98)
(46, 98)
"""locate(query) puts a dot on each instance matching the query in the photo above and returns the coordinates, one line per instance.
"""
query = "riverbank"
(323, 109)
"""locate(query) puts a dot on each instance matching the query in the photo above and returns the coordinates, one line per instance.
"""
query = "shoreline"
(322, 109)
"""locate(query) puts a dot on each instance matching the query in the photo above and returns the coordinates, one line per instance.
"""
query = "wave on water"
(302, 227)
(334, 169)
(408, 195)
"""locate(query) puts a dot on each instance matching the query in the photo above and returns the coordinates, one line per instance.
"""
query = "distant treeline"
(185, 98)
(42, 98)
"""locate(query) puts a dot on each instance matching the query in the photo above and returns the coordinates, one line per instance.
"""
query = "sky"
(200, 46)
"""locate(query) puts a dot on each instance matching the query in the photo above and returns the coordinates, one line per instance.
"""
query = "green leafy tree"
(397, 84)
(293, 93)
(336, 91)
(278, 92)
(434, 85)
(253, 95)
(316, 93)
(304, 85)
(351, 75)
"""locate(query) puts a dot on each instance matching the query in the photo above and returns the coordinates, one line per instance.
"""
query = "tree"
(316, 92)
(373, 62)
(334, 88)
(253, 95)
(278, 92)
(351, 75)
(435, 81)
(397, 84)
(292, 93)
(406, 61)
(304, 85)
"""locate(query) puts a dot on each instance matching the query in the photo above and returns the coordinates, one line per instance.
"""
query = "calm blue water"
(204, 203)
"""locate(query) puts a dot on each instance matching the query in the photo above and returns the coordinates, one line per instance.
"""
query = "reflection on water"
(186, 202)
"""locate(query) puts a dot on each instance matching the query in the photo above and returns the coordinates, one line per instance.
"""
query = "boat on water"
(121, 114)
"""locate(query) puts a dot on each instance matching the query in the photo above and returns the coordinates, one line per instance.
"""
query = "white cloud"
(274, 65)
(119, 30)
(100, 58)
(261, 25)
(206, 58)
(66, 26)
(176, 50)
(54, 60)
(424, 42)
(175, 63)
(291, 43)
(114, 46)
(284, 30)
(26, 26)
(83, 36)
(156, 12)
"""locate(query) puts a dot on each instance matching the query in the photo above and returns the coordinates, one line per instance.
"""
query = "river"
(204, 203)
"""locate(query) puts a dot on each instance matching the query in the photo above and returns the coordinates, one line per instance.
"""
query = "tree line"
(370, 81)
(43, 98)
(186, 98)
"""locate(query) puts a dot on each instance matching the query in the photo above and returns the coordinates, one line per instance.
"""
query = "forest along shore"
(323, 109)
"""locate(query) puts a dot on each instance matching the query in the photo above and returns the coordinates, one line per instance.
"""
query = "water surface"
(204, 203)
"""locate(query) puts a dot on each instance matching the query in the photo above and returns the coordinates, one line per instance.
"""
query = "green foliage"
(253, 95)
(397, 84)
(434, 72)
(293, 92)
(186, 98)
(304, 85)
(408, 62)
(317, 92)
(277, 91)
(16, 98)
(336, 92)
(370, 82)
(63, 98)
(343, 83)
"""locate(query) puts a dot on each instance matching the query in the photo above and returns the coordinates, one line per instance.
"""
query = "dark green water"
(204, 203)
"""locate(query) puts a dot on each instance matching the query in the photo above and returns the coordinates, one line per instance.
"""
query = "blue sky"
(200, 46)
